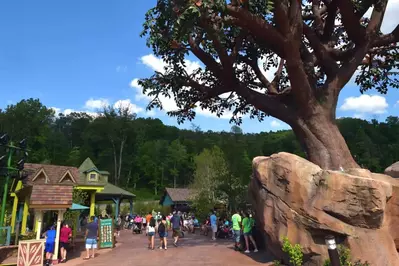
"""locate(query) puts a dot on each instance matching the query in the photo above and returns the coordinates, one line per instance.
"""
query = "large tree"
(315, 46)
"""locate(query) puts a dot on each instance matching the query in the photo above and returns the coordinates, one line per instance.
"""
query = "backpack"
(161, 228)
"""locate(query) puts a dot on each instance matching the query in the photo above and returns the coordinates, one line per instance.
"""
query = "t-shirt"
(252, 221)
(92, 229)
(151, 229)
(236, 219)
(161, 228)
(50, 236)
(175, 221)
(148, 218)
(213, 220)
(65, 232)
(247, 225)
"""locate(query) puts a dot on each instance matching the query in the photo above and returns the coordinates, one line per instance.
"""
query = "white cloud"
(390, 18)
(92, 104)
(275, 124)
(169, 104)
(56, 110)
(127, 104)
(365, 104)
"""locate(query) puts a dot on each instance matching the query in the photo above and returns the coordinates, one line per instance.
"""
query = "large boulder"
(295, 198)
(393, 170)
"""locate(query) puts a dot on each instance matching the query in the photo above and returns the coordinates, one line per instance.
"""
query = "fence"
(5, 236)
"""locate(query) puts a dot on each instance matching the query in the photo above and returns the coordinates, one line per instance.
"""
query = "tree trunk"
(115, 163)
(120, 158)
(323, 142)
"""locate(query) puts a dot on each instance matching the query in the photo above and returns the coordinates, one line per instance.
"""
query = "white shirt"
(151, 229)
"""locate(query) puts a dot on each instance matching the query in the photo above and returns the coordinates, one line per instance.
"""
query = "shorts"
(176, 232)
(64, 245)
(91, 243)
(237, 236)
(163, 234)
(151, 233)
(248, 233)
(214, 228)
(49, 247)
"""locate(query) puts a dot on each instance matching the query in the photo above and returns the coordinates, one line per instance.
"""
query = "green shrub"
(293, 251)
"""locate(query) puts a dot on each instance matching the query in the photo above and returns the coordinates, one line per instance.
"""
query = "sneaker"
(247, 251)
(175, 244)
(160, 247)
(256, 250)
(166, 248)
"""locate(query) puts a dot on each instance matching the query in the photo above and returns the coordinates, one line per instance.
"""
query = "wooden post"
(92, 203)
(57, 236)
(25, 217)
(14, 213)
(17, 226)
(39, 222)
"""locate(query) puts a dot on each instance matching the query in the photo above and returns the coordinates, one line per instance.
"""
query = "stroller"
(224, 232)
(137, 225)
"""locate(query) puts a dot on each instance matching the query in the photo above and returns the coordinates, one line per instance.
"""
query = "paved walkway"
(193, 250)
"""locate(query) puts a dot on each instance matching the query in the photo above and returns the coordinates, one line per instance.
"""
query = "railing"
(5, 236)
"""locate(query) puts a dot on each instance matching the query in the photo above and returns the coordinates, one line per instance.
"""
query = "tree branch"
(387, 39)
(205, 58)
(259, 28)
(269, 104)
(325, 60)
(350, 21)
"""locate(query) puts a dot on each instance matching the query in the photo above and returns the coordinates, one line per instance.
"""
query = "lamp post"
(7, 166)
(332, 250)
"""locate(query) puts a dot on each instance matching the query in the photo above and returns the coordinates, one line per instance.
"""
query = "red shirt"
(64, 234)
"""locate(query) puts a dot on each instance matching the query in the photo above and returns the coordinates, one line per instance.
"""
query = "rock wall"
(295, 198)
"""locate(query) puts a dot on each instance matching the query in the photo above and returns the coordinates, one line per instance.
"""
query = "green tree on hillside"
(177, 154)
(314, 46)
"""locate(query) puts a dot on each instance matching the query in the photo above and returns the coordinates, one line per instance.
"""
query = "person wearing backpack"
(163, 233)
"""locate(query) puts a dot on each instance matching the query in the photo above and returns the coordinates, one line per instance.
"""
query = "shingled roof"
(52, 173)
(54, 196)
(179, 194)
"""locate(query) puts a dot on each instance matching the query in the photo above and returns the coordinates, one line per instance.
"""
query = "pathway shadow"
(192, 240)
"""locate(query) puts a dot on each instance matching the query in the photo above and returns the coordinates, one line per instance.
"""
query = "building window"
(92, 177)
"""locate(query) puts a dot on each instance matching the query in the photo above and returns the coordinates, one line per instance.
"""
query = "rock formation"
(295, 198)
(393, 170)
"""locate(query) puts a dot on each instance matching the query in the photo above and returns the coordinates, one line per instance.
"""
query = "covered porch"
(116, 195)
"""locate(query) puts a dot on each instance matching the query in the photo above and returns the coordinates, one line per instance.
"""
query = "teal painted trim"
(167, 201)
(8, 235)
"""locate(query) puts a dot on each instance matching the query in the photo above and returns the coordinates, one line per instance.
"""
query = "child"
(163, 233)
(151, 233)
(50, 243)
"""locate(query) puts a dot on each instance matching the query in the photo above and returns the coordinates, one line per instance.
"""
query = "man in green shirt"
(236, 220)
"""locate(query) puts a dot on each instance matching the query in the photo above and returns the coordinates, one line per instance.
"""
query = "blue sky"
(77, 55)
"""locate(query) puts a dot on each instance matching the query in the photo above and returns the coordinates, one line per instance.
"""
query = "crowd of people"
(239, 226)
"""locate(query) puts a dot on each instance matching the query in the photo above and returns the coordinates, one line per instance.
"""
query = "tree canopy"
(315, 46)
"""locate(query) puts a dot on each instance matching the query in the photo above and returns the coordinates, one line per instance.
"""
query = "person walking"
(65, 236)
(50, 235)
(151, 233)
(176, 222)
(236, 220)
(91, 238)
(163, 233)
(247, 231)
(214, 225)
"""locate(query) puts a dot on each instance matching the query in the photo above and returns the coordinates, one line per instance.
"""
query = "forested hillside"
(144, 155)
